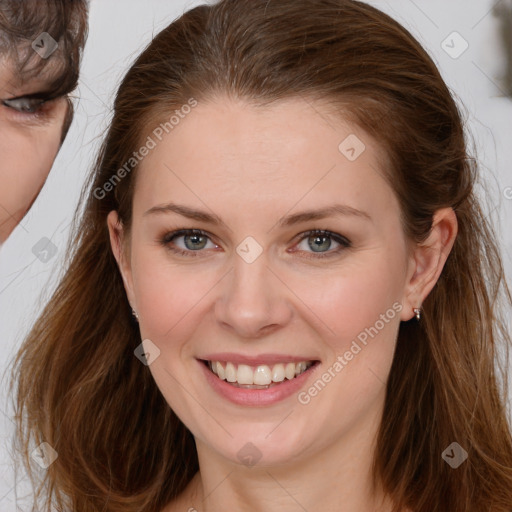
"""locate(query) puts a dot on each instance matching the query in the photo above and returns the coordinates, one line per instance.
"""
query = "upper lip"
(268, 359)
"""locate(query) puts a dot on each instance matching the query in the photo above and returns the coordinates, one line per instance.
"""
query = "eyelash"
(169, 237)
(42, 108)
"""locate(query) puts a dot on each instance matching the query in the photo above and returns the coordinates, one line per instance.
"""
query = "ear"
(118, 245)
(428, 259)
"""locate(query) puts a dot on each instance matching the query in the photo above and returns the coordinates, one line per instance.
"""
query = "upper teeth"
(260, 375)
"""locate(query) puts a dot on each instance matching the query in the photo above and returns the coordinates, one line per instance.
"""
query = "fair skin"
(29, 143)
(251, 167)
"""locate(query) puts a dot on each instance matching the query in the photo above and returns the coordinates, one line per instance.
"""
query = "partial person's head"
(40, 47)
(252, 112)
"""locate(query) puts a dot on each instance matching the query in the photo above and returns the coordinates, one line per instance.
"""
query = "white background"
(118, 32)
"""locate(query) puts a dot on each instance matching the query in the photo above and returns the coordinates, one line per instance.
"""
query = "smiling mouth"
(258, 377)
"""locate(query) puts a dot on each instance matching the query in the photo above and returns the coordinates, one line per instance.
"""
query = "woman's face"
(255, 288)
(29, 143)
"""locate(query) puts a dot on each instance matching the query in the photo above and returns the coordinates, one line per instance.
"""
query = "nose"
(254, 301)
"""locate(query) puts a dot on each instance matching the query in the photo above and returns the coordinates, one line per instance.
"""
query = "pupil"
(316, 245)
(195, 238)
(27, 107)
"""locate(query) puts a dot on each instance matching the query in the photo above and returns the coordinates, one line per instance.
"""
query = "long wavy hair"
(79, 386)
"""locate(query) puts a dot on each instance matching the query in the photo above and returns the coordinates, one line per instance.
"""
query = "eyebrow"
(296, 218)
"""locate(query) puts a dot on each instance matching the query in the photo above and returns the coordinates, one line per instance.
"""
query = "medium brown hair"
(81, 389)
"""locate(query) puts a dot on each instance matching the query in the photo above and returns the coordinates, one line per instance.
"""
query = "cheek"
(26, 162)
(360, 300)
(169, 297)
(353, 298)
(360, 311)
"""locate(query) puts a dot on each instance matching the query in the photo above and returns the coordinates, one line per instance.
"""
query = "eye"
(26, 107)
(319, 239)
(195, 240)
(24, 104)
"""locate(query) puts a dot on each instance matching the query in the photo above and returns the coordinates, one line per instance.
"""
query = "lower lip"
(255, 397)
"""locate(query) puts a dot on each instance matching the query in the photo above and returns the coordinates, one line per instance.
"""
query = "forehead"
(290, 150)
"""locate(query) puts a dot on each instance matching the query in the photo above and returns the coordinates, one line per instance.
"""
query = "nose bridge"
(250, 272)
(252, 300)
